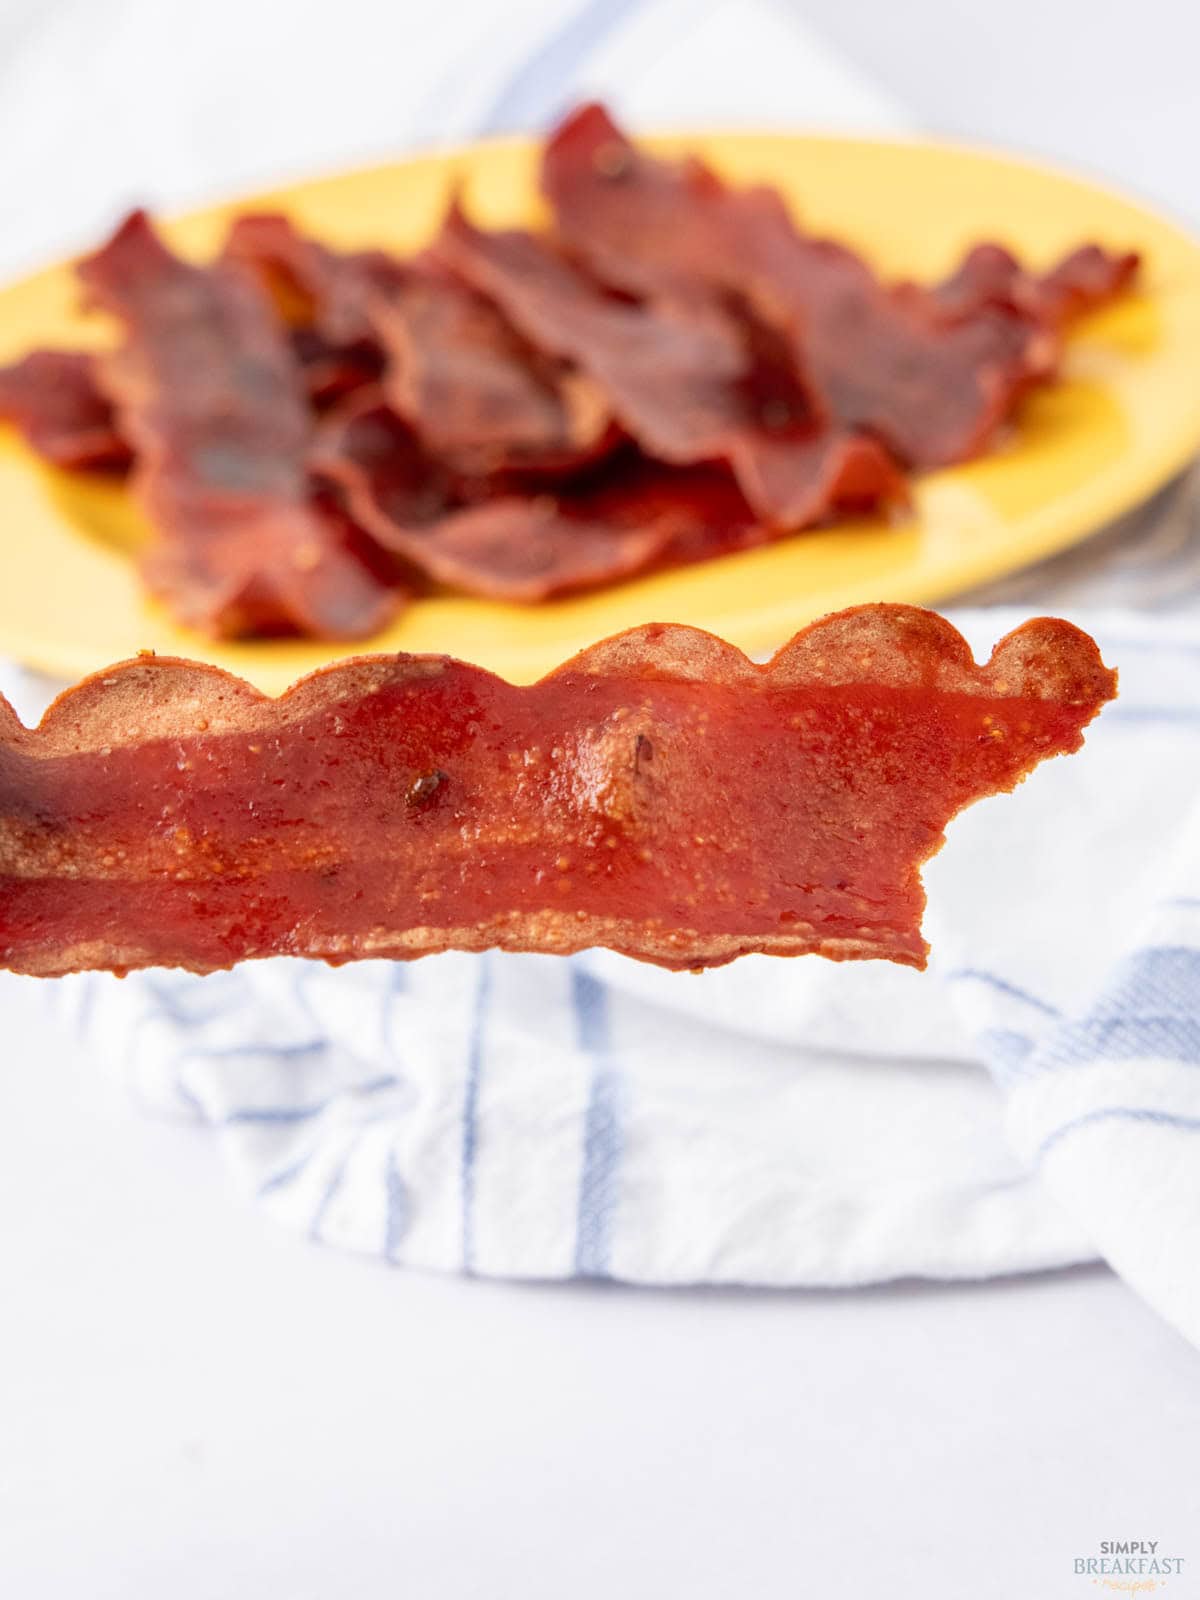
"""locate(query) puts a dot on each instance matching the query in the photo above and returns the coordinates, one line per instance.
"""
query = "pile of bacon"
(659, 794)
(675, 372)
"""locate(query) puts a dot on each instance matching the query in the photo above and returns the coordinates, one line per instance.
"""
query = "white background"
(193, 1404)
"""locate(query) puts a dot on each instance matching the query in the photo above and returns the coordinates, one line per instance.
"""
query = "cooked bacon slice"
(933, 393)
(331, 371)
(659, 794)
(519, 545)
(53, 398)
(990, 276)
(481, 398)
(209, 394)
(311, 284)
(690, 379)
(1084, 280)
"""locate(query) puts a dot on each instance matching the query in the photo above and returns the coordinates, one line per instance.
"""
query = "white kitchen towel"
(784, 1123)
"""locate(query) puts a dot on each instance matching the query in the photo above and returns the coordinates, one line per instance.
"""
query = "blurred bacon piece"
(991, 276)
(481, 398)
(54, 399)
(209, 395)
(935, 391)
(690, 378)
(659, 794)
(523, 544)
(312, 285)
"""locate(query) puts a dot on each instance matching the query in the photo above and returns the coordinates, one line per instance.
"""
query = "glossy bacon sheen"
(659, 794)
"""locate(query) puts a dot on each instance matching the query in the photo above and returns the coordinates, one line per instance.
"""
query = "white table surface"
(195, 1404)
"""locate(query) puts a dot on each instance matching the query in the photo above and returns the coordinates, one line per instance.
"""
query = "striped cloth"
(1030, 1103)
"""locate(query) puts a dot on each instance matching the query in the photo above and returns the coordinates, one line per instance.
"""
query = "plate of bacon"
(506, 400)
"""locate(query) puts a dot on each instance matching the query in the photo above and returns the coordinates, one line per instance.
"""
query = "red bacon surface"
(991, 276)
(207, 391)
(54, 398)
(688, 377)
(481, 398)
(330, 290)
(526, 543)
(659, 794)
(934, 388)
(318, 436)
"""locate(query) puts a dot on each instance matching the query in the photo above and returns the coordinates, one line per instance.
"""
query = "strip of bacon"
(482, 399)
(523, 545)
(659, 794)
(311, 284)
(935, 393)
(209, 395)
(53, 397)
(691, 379)
(990, 276)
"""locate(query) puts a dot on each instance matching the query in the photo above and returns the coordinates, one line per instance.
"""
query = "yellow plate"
(1125, 418)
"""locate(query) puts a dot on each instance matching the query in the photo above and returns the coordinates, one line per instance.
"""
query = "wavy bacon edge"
(887, 644)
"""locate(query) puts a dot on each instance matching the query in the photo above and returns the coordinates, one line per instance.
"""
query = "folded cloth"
(1031, 1101)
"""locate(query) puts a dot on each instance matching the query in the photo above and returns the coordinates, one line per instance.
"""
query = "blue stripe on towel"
(284, 1175)
(1166, 1119)
(397, 1214)
(1151, 1012)
(285, 1114)
(544, 81)
(1008, 1052)
(233, 1052)
(1002, 986)
(470, 1110)
(603, 1134)
(331, 1189)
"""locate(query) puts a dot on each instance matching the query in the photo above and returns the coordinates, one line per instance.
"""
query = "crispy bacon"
(310, 284)
(55, 400)
(690, 378)
(482, 399)
(680, 372)
(659, 794)
(210, 396)
(522, 545)
(934, 392)
(331, 371)
(990, 276)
